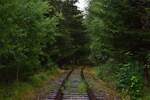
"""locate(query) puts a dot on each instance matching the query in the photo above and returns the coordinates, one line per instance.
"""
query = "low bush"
(129, 79)
(25, 90)
(126, 77)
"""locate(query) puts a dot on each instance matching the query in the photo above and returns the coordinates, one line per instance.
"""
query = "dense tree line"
(71, 43)
(120, 31)
(38, 34)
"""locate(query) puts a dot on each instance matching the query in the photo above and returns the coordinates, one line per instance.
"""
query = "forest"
(38, 38)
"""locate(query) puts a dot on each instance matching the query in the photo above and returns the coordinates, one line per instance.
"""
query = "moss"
(82, 88)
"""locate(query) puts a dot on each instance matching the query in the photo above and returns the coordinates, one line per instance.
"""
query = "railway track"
(69, 86)
(56, 91)
(59, 94)
(91, 95)
(99, 92)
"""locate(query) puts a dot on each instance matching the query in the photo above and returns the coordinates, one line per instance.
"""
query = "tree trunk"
(17, 74)
(146, 74)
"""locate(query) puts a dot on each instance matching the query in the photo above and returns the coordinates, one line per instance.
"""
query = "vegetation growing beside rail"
(36, 35)
(28, 90)
(120, 32)
(114, 35)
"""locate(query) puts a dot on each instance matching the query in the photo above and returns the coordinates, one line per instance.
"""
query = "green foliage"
(25, 90)
(71, 42)
(104, 70)
(120, 32)
(82, 87)
(38, 34)
(146, 93)
(129, 79)
(36, 80)
(24, 33)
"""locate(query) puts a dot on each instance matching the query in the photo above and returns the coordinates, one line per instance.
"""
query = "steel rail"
(59, 95)
(91, 95)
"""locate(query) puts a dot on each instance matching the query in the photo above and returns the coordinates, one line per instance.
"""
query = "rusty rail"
(91, 95)
(59, 95)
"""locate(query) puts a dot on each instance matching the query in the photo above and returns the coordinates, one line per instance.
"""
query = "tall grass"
(25, 90)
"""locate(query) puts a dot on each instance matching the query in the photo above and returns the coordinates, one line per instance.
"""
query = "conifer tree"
(72, 38)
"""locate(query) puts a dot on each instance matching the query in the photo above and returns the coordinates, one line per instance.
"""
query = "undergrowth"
(25, 90)
(127, 79)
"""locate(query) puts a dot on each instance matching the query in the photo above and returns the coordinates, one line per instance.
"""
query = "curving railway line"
(69, 87)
